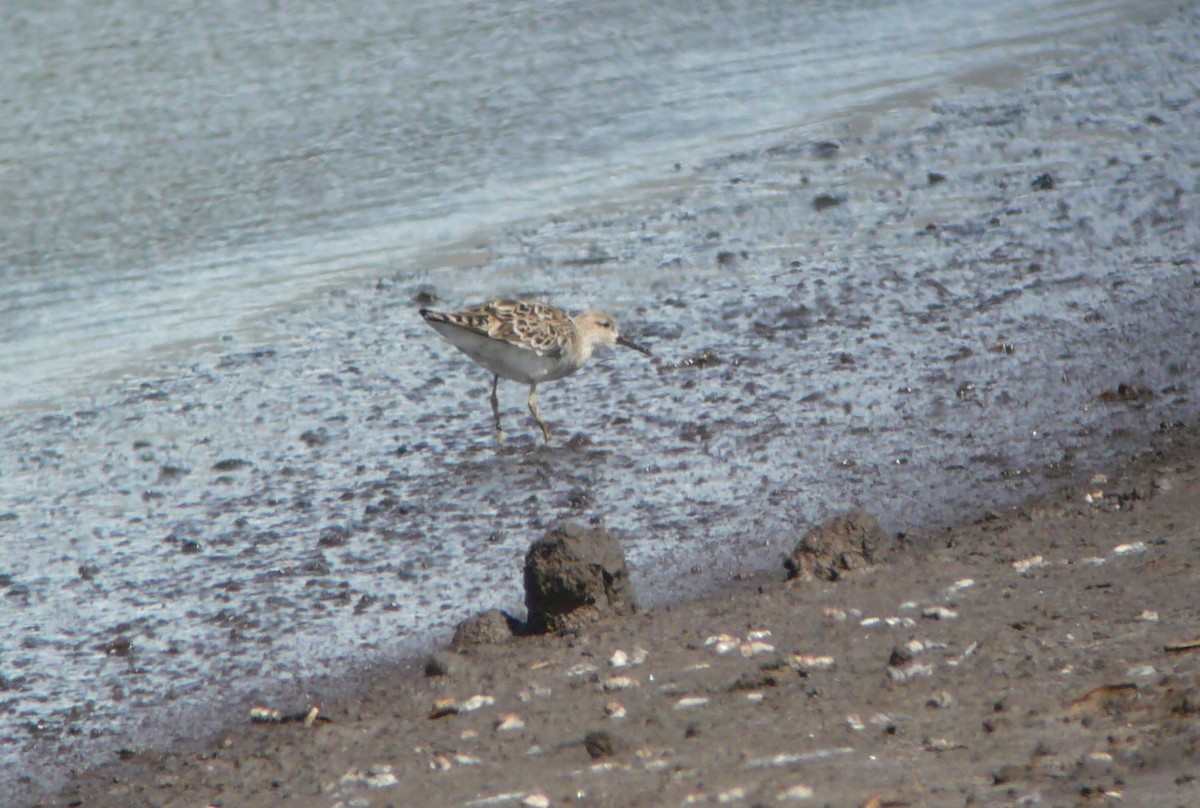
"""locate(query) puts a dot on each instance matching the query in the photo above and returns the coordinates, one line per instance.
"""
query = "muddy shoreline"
(1039, 655)
(928, 309)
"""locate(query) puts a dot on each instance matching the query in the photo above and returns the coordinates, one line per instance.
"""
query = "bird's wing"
(538, 327)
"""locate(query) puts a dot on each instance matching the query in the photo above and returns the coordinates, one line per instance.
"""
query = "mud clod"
(843, 544)
(486, 628)
(574, 576)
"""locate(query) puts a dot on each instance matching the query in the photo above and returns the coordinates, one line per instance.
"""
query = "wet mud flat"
(930, 309)
(1044, 654)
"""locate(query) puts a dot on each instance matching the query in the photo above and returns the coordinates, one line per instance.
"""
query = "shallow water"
(261, 476)
(168, 172)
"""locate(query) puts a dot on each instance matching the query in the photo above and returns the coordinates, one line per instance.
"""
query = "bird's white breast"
(503, 358)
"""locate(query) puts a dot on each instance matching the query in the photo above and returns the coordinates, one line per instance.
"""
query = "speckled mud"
(928, 305)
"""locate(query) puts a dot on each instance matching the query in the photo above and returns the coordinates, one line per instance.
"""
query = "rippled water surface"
(235, 460)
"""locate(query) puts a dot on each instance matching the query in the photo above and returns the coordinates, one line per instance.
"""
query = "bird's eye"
(606, 323)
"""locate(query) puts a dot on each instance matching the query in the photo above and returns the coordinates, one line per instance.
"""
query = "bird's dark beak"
(629, 344)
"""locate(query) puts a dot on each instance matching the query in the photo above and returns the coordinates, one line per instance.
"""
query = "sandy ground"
(1026, 658)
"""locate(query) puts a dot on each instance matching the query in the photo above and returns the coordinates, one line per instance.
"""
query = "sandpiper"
(526, 341)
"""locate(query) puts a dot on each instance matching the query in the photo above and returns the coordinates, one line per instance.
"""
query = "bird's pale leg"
(537, 414)
(496, 411)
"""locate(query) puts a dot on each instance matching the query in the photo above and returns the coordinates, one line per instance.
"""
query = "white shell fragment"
(688, 702)
(1026, 564)
(959, 585)
(939, 613)
(619, 659)
(475, 702)
(890, 622)
(906, 673)
(1127, 549)
(721, 643)
(510, 722)
(373, 777)
(528, 694)
(791, 759)
(444, 763)
(805, 663)
(725, 643)
(449, 706)
(615, 709)
(796, 792)
(619, 683)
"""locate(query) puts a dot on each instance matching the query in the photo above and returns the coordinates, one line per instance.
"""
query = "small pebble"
(940, 700)
(615, 709)
(687, 702)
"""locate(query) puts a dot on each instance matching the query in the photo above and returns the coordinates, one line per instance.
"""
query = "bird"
(527, 341)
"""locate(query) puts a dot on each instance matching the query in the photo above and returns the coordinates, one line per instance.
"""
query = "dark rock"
(935, 177)
(1043, 182)
(486, 628)
(602, 744)
(333, 536)
(1127, 393)
(702, 359)
(314, 437)
(842, 544)
(573, 576)
(824, 201)
(171, 473)
(231, 464)
(825, 149)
